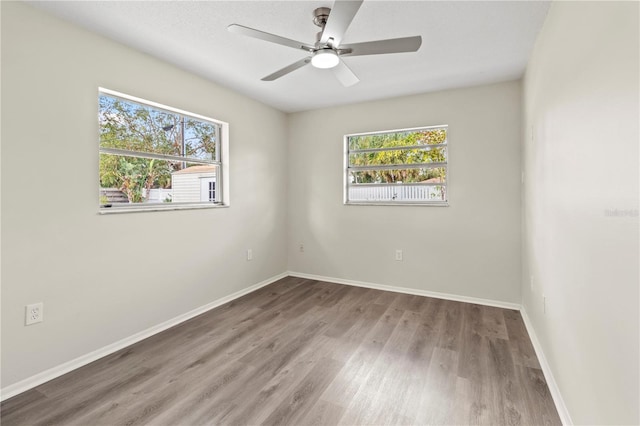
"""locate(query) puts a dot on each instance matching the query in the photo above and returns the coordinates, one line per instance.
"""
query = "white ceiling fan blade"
(339, 19)
(378, 47)
(286, 70)
(345, 75)
(250, 32)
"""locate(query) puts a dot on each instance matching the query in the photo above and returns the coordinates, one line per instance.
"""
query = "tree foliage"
(421, 151)
(133, 127)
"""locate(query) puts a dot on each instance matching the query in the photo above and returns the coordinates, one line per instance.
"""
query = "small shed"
(194, 184)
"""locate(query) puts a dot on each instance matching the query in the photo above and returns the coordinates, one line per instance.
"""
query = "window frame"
(221, 162)
(347, 169)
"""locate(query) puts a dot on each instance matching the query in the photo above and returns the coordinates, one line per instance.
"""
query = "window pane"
(135, 127)
(405, 156)
(397, 193)
(125, 180)
(435, 175)
(200, 139)
(408, 138)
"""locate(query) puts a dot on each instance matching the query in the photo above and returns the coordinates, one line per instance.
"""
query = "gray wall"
(103, 278)
(581, 162)
(580, 156)
(470, 248)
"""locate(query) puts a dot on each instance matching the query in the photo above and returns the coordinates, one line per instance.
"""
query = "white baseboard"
(52, 373)
(407, 290)
(546, 369)
(66, 367)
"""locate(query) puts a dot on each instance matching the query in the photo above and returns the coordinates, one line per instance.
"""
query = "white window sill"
(158, 208)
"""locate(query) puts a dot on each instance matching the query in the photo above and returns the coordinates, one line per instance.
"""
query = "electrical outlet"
(398, 255)
(34, 313)
(301, 248)
(531, 281)
(249, 254)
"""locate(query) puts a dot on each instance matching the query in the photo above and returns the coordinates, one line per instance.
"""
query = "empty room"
(328, 212)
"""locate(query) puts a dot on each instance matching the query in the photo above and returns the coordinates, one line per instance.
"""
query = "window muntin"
(155, 157)
(406, 166)
(401, 156)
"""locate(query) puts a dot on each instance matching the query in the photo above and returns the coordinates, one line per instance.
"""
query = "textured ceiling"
(464, 43)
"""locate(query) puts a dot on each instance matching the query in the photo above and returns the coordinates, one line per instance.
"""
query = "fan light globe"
(326, 58)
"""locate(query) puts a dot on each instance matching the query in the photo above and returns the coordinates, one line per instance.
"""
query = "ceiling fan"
(328, 50)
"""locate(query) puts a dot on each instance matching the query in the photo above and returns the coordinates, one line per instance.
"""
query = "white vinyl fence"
(157, 195)
(397, 193)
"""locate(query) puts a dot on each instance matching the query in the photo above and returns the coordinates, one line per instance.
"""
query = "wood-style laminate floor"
(304, 352)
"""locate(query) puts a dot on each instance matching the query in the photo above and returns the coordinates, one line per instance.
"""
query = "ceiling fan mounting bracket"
(320, 16)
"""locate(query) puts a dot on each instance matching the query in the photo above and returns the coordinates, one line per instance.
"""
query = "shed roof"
(196, 169)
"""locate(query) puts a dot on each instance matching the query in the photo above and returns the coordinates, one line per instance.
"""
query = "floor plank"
(315, 353)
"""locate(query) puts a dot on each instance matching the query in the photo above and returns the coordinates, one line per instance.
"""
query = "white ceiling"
(464, 43)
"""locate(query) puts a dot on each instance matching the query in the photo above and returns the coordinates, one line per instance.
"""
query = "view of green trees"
(420, 152)
(129, 126)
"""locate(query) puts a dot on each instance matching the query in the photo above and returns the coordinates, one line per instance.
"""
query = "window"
(154, 157)
(212, 190)
(406, 166)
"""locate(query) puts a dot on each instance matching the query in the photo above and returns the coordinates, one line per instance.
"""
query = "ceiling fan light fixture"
(325, 58)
